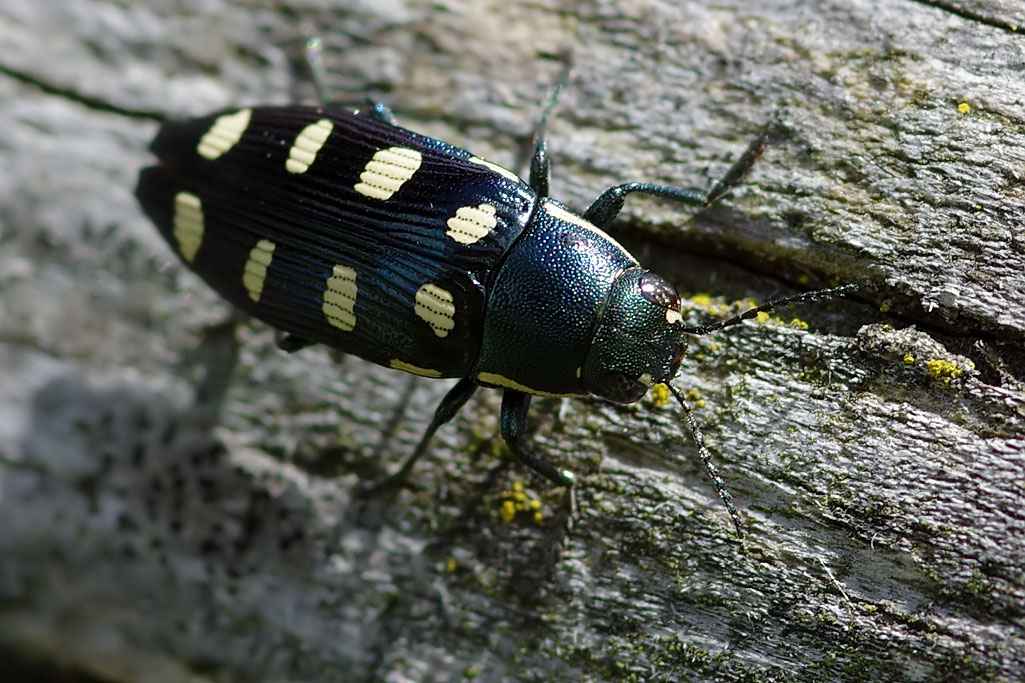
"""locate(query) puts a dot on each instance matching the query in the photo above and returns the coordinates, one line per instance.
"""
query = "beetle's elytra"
(338, 227)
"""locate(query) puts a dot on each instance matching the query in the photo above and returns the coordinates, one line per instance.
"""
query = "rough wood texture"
(877, 455)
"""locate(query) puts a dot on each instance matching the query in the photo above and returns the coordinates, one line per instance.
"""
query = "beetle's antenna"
(842, 290)
(706, 458)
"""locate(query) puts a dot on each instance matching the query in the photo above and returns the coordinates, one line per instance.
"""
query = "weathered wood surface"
(877, 456)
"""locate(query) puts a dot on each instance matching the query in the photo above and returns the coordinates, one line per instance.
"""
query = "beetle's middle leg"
(455, 399)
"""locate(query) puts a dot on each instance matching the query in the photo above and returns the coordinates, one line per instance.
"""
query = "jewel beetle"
(336, 226)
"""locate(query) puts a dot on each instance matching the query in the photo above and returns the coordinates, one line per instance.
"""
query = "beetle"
(335, 226)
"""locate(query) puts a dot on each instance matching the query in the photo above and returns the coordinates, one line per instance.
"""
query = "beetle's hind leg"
(455, 399)
(290, 343)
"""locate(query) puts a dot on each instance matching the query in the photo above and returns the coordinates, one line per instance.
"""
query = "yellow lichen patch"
(702, 300)
(943, 370)
(909, 358)
(515, 500)
(694, 396)
(964, 108)
(659, 395)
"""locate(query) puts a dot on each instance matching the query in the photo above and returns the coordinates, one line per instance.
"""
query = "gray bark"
(876, 454)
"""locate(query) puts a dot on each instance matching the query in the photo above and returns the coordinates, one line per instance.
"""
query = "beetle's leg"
(212, 364)
(380, 111)
(446, 410)
(315, 66)
(609, 203)
(515, 405)
(540, 167)
(290, 343)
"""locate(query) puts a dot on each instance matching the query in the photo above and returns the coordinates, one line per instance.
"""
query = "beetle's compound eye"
(661, 293)
(616, 387)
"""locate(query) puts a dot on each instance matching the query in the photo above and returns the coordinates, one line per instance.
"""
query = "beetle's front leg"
(607, 206)
(515, 405)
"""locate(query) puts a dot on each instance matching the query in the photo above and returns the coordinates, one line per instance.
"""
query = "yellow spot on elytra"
(435, 306)
(387, 171)
(224, 134)
(340, 298)
(413, 369)
(259, 261)
(471, 223)
(496, 168)
(306, 146)
(188, 224)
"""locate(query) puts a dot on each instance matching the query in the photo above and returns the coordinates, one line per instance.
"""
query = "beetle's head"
(639, 341)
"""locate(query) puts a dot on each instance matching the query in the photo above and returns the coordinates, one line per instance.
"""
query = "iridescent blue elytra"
(338, 227)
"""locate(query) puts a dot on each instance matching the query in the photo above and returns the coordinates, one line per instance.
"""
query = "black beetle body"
(340, 228)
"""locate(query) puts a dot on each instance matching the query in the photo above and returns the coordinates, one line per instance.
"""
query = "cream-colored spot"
(188, 224)
(388, 171)
(340, 298)
(557, 211)
(416, 370)
(646, 379)
(496, 168)
(224, 134)
(673, 316)
(471, 223)
(255, 273)
(501, 381)
(306, 146)
(434, 305)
